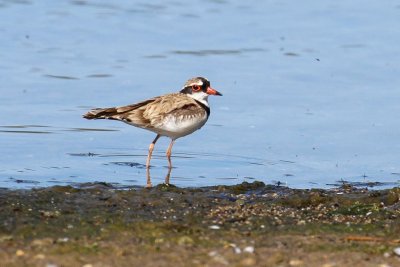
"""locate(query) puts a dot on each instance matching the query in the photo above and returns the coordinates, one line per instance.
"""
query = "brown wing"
(114, 113)
(151, 112)
(189, 110)
(179, 105)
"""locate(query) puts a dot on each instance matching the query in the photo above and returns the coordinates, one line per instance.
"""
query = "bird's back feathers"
(150, 113)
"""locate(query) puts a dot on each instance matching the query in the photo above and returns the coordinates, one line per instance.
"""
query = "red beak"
(212, 91)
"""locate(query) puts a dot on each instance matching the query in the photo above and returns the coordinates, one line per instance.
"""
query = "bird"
(173, 115)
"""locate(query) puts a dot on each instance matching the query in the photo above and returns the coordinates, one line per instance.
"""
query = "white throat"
(201, 97)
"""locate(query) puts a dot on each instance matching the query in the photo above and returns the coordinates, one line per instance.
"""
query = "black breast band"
(206, 108)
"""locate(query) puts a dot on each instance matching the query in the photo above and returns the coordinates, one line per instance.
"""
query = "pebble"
(212, 253)
(214, 227)
(248, 262)
(249, 249)
(397, 251)
(39, 257)
(218, 258)
(236, 249)
(42, 242)
(301, 222)
(63, 239)
(295, 262)
(19, 253)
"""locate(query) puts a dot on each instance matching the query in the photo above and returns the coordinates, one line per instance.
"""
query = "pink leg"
(167, 176)
(169, 152)
(151, 148)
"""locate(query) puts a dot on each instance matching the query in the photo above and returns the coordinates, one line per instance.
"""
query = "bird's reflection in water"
(167, 176)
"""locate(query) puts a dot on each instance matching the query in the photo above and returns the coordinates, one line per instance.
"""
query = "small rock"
(39, 257)
(218, 258)
(19, 253)
(63, 240)
(42, 242)
(249, 249)
(397, 251)
(50, 214)
(248, 262)
(212, 253)
(214, 227)
(236, 249)
(295, 262)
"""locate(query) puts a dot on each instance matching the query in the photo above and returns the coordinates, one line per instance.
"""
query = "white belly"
(175, 127)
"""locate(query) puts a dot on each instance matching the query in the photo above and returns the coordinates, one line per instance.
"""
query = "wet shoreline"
(249, 224)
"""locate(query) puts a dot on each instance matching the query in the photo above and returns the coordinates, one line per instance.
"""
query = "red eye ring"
(196, 88)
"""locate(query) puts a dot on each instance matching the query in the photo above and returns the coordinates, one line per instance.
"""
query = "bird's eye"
(196, 88)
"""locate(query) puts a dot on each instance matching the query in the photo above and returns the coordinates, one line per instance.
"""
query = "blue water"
(311, 90)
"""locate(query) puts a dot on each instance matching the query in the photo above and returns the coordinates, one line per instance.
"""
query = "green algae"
(95, 220)
(242, 188)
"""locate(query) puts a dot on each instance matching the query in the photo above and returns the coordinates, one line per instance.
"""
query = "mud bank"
(250, 224)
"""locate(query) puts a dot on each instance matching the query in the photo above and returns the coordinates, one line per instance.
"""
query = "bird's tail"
(100, 113)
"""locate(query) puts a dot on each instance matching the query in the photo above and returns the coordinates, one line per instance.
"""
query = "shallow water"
(311, 91)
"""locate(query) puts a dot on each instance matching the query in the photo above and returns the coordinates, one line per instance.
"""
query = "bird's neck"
(201, 97)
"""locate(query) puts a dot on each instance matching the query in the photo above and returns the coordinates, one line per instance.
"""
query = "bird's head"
(199, 88)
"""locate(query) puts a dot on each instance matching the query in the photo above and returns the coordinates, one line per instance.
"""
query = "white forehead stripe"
(195, 81)
(199, 82)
